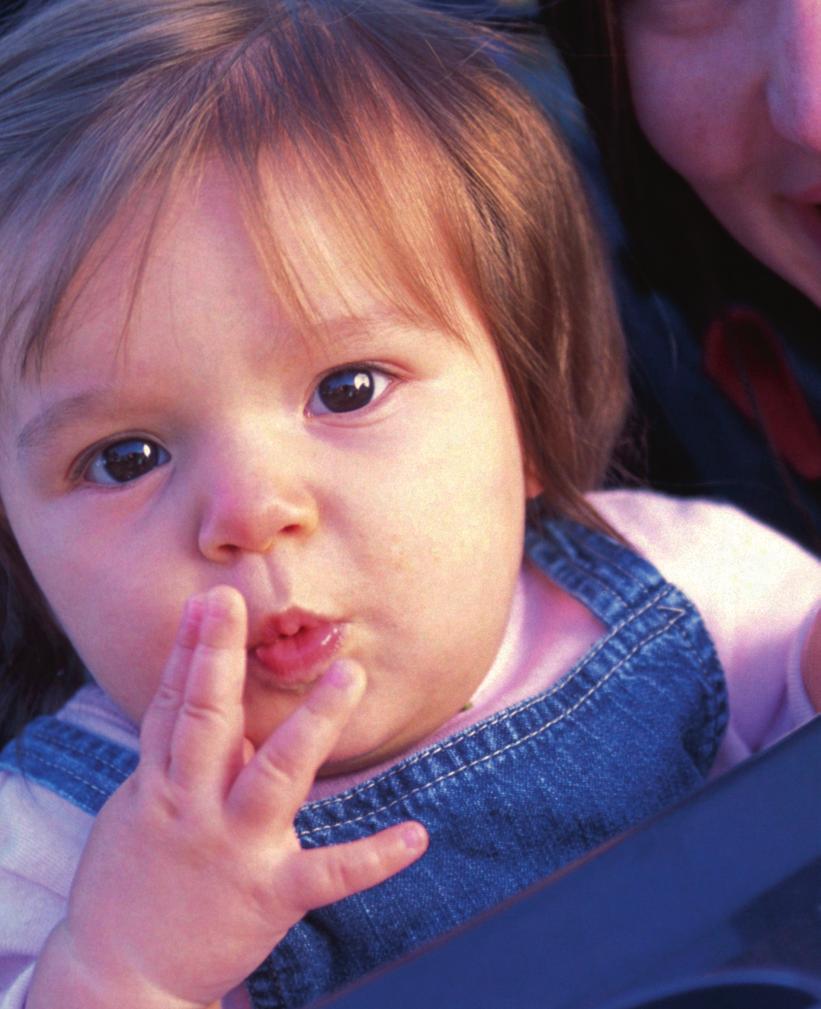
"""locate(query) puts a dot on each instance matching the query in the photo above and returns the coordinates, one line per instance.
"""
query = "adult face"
(729, 94)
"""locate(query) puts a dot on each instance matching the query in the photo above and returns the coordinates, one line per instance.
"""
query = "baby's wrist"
(89, 982)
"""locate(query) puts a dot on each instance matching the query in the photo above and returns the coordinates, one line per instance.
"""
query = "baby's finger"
(325, 875)
(276, 780)
(161, 714)
(206, 746)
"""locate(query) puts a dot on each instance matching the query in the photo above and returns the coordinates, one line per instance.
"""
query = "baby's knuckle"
(167, 697)
(159, 802)
(276, 767)
(258, 899)
(164, 807)
(210, 651)
(202, 710)
(155, 799)
(356, 870)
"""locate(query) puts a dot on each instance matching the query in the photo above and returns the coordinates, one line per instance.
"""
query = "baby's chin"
(358, 748)
(349, 760)
(342, 769)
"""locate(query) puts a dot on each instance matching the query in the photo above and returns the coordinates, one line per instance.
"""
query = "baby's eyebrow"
(352, 326)
(351, 329)
(38, 431)
(382, 322)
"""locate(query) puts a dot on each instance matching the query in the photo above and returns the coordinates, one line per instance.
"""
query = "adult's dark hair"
(675, 245)
(675, 248)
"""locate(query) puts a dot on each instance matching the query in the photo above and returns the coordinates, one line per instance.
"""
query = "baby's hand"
(193, 871)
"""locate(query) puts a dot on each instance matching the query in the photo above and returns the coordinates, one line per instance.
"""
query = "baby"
(309, 368)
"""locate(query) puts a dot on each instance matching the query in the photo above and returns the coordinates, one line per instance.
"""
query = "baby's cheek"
(126, 650)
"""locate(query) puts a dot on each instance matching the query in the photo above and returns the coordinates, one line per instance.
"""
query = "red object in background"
(744, 357)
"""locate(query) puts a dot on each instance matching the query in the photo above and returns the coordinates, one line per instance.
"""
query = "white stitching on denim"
(70, 774)
(610, 561)
(573, 563)
(503, 749)
(447, 744)
(707, 678)
(79, 751)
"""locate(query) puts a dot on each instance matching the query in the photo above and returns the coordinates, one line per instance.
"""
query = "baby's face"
(363, 491)
(729, 93)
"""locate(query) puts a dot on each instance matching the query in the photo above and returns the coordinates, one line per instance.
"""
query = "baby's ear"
(533, 483)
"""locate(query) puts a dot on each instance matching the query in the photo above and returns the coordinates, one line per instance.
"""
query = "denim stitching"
(593, 545)
(573, 562)
(80, 751)
(606, 561)
(447, 744)
(612, 562)
(503, 749)
(710, 680)
(70, 774)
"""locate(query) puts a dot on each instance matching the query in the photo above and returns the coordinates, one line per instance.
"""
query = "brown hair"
(422, 154)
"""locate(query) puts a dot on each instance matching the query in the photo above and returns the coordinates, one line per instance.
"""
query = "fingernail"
(415, 837)
(339, 675)
(214, 604)
(194, 607)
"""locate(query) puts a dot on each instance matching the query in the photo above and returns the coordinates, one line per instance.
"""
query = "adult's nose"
(794, 83)
(253, 497)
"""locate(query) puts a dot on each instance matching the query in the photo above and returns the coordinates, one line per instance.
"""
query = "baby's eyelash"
(349, 389)
(119, 461)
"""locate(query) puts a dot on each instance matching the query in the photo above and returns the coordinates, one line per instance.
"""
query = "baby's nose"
(794, 84)
(248, 507)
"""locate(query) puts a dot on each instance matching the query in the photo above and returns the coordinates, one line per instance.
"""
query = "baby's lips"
(298, 659)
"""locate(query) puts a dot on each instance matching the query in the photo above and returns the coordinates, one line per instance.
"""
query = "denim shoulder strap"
(631, 728)
(70, 761)
(611, 580)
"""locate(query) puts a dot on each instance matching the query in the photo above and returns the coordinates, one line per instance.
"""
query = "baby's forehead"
(313, 99)
(287, 258)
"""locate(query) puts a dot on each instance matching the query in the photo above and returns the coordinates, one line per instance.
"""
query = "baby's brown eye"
(348, 389)
(124, 461)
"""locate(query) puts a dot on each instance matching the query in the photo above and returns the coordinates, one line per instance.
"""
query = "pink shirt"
(757, 593)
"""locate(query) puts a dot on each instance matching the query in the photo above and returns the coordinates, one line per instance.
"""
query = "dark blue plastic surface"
(716, 904)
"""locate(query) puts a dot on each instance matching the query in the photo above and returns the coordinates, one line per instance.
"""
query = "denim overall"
(632, 727)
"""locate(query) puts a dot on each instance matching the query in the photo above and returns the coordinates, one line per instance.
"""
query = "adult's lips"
(806, 208)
